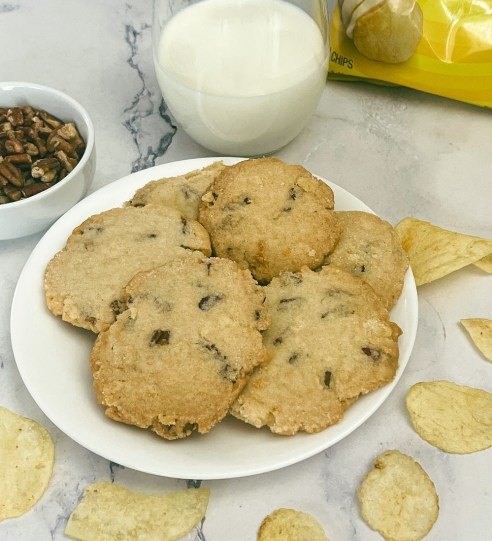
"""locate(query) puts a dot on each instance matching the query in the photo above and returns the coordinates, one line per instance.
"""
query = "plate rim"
(64, 427)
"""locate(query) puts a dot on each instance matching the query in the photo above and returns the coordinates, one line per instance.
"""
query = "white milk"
(242, 77)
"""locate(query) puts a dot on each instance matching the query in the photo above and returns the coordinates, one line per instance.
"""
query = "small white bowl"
(28, 216)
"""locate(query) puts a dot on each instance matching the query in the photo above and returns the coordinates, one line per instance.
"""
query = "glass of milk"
(242, 77)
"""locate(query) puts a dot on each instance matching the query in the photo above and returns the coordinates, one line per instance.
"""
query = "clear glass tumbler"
(241, 77)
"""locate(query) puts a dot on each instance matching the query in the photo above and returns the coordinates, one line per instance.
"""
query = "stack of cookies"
(285, 326)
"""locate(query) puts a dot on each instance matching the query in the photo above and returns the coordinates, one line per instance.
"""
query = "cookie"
(330, 339)
(370, 248)
(178, 357)
(183, 193)
(290, 525)
(270, 217)
(84, 282)
(386, 30)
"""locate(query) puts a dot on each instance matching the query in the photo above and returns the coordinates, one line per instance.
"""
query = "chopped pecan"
(10, 172)
(5, 128)
(22, 161)
(13, 146)
(28, 134)
(159, 338)
(33, 189)
(12, 193)
(31, 149)
(33, 136)
(15, 116)
(208, 302)
(46, 169)
(69, 133)
(67, 163)
(57, 143)
(374, 353)
(50, 120)
(28, 114)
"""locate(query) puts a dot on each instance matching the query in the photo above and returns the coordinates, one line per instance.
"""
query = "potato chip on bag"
(480, 331)
(27, 455)
(454, 418)
(398, 499)
(110, 512)
(434, 252)
(289, 524)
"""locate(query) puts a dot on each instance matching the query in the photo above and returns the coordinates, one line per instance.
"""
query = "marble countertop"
(402, 152)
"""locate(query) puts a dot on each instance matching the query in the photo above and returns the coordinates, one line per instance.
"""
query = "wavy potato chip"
(480, 331)
(290, 525)
(398, 499)
(434, 252)
(485, 264)
(27, 454)
(110, 512)
(454, 418)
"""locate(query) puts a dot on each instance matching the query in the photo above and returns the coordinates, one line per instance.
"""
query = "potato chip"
(480, 331)
(398, 499)
(110, 512)
(289, 525)
(455, 418)
(485, 264)
(27, 454)
(436, 252)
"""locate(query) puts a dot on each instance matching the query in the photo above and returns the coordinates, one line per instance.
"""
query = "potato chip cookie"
(178, 357)
(371, 249)
(27, 455)
(183, 193)
(290, 525)
(454, 418)
(84, 282)
(384, 30)
(398, 499)
(330, 339)
(270, 217)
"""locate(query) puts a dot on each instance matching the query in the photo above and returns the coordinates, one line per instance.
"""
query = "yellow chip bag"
(443, 47)
(27, 454)
(480, 331)
(452, 417)
(110, 512)
(434, 252)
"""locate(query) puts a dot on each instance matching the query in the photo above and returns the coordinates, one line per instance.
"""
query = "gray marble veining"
(400, 151)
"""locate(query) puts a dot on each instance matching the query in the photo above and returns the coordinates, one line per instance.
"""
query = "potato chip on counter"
(398, 499)
(289, 525)
(452, 417)
(485, 264)
(111, 512)
(27, 454)
(480, 331)
(435, 252)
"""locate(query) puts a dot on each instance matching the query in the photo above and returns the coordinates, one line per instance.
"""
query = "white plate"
(52, 357)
